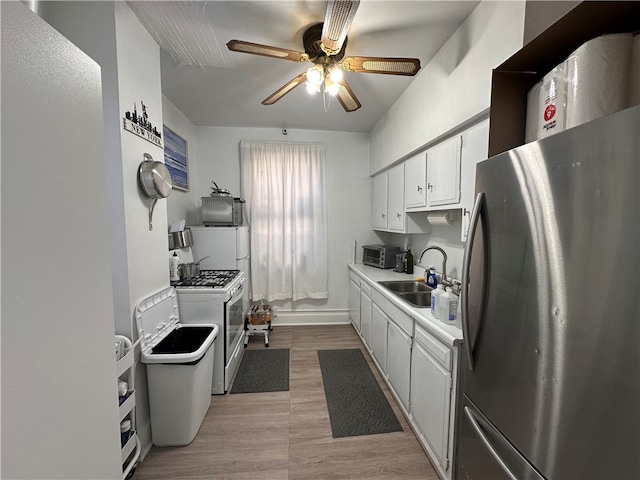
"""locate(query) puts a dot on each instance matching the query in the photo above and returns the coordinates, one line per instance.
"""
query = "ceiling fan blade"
(286, 88)
(337, 21)
(347, 98)
(266, 51)
(384, 65)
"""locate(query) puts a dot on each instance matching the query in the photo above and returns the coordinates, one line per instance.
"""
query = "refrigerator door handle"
(478, 429)
(464, 296)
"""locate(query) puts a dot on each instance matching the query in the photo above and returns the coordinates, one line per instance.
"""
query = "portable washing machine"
(179, 360)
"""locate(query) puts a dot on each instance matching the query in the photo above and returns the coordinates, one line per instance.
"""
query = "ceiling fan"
(324, 46)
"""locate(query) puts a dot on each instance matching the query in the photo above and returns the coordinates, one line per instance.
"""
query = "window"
(285, 190)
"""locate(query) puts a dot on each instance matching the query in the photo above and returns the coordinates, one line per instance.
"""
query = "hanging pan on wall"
(155, 180)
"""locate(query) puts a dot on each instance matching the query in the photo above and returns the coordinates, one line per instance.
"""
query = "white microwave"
(222, 210)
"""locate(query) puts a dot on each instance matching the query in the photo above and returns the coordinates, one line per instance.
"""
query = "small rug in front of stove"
(356, 403)
(263, 371)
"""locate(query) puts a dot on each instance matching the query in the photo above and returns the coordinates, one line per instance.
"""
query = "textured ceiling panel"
(213, 86)
(185, 30)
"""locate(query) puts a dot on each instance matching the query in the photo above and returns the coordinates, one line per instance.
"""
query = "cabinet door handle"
(383, 215)
(419, 188)
(398, 215)
(429, 186)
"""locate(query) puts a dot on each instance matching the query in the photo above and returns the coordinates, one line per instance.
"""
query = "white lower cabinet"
(418, 367)
(396, 329)
(379, 336)
(399, 362)
(354, 300)
(431, 393)
(365, 313)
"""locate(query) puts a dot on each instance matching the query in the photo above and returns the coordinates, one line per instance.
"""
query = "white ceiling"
(224, 88)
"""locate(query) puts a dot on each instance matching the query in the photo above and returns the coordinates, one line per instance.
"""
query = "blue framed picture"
(176, 159)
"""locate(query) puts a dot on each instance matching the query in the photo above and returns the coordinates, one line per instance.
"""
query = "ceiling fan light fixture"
(312, 89)
(315, 75)
(324, 45)
(332, 88)
(335, 74)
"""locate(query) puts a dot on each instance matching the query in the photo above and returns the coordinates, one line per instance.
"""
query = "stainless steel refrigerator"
(551, 300)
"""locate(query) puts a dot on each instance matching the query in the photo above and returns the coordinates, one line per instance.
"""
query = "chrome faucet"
(444, 263)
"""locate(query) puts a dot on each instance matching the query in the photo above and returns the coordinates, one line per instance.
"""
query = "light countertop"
(450, 335)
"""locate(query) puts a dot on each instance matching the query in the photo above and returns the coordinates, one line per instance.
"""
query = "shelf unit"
(125, 371)
(512, 80)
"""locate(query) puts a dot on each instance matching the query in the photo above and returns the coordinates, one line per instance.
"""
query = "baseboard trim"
(311, 317)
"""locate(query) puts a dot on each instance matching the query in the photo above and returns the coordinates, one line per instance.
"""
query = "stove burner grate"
(210, 279)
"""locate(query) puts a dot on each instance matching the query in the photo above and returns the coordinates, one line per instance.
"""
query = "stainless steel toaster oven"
(379, 256)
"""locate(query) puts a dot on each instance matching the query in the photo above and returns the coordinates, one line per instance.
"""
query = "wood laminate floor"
(287, 435)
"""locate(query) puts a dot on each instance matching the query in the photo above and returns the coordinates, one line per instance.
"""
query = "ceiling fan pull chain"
(324, 99)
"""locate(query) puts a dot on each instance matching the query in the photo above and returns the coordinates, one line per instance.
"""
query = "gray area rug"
(357, 405)
(263, 371)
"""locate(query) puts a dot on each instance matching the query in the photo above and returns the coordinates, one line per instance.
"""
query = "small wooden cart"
(258, 322)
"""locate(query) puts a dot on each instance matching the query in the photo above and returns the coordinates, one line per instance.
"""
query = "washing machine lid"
(156, 317)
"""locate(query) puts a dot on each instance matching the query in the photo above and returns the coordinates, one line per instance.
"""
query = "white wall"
(130, 61)
(454, 87)
(59, 398)
(446, 237)
(348, 187)
(180, 204)
(139, 80)
(541, 14)
(91, 26)
(148, 267)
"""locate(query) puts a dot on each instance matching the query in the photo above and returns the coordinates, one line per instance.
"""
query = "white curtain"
(284, 187)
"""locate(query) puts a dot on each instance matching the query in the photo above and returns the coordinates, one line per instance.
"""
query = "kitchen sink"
(418, 299)
(404, 286)
(416, 293)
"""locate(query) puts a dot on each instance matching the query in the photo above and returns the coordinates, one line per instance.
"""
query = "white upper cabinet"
(443, 173)
(415, 182)
(380, 191)
(388, 207)
(395, 199)
(455, 84)
(440, 178)
(475, 149)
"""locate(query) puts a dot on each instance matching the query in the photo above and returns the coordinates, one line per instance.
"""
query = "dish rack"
(125, 372)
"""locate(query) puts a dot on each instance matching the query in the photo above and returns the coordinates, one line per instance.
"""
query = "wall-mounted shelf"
(512, 80)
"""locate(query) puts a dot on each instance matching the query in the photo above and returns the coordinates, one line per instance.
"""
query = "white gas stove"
(219, 280)
(217, 297)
